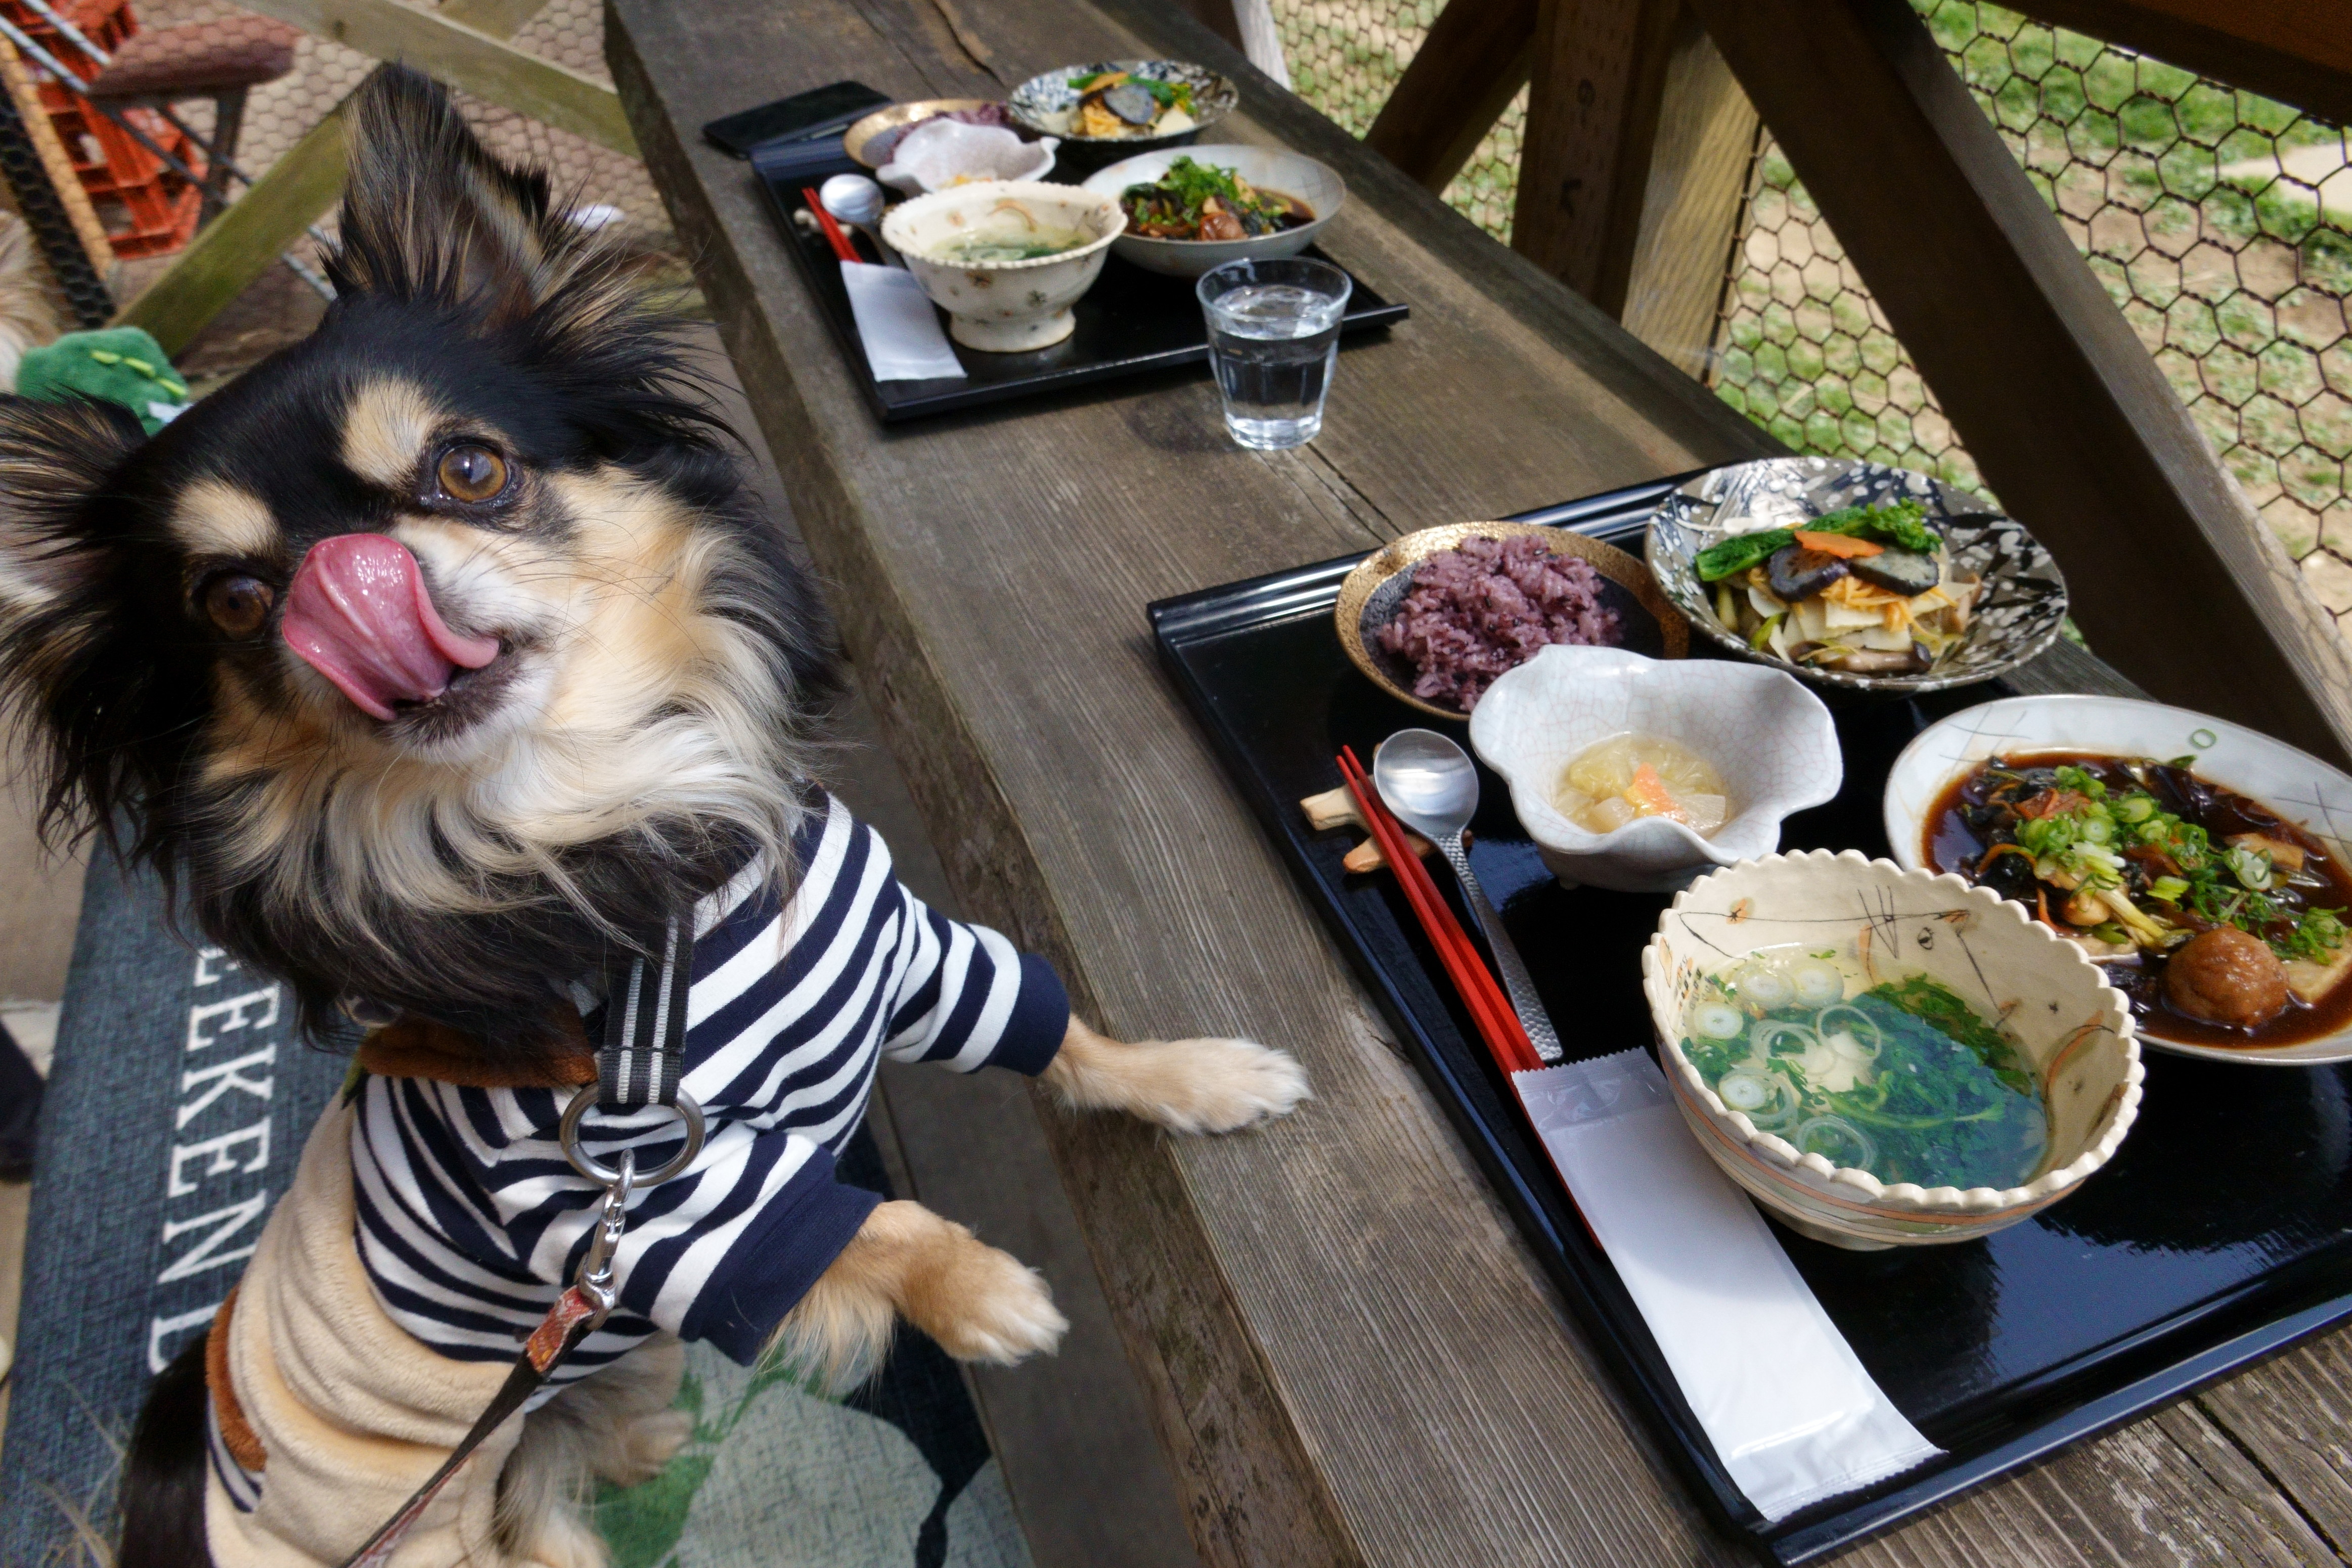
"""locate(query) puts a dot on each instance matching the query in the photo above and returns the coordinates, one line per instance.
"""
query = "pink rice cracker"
(1486, 606)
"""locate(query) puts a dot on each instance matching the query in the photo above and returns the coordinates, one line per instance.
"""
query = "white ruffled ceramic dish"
(2294, 783)
(1004, 307)
(1266, 168)
(1771, 740)
(2056, 1007)
(939, 154)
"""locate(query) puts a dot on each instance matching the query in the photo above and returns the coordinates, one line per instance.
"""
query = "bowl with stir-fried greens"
(1887, 1057)
(1193, 210)
(1855, 575)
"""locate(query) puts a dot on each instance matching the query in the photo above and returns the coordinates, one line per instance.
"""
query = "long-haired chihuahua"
(436, 661)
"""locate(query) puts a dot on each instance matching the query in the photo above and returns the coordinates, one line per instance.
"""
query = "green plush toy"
(119, 365)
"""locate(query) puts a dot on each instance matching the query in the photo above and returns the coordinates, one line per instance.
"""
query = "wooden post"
(1473, 63)
(276, 210)
(2175, 581)
(1592, 120)
(1690, 209)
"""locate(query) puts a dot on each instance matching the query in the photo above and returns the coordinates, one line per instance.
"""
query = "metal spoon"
(1432, 786)
(854, 200)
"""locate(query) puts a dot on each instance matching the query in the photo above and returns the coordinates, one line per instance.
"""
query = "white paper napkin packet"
(1791, 1412)
(903, 337)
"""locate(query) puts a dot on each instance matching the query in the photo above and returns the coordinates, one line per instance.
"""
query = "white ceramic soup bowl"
(2051, 1003)
(1770, 740)
(1005, 307)
(1267, 168)
(2292, 783)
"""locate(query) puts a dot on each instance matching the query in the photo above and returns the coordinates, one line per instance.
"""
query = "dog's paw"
(987, 1305)
(1219, 1085)
(566, 1540)
(644, 1446)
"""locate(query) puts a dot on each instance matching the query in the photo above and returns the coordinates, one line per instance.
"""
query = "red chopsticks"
(1497, 1023)
(840, 242)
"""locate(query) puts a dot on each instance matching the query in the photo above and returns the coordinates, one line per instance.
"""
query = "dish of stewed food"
(2221, 920)
(1205, 201)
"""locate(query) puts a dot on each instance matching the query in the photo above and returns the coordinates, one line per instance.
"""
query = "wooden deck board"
(1351, 1356)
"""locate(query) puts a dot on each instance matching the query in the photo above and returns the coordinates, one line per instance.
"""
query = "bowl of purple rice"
(1436, 617)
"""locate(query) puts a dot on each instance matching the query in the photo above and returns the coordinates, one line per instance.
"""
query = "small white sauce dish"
(1004, 307)
(1770, 740)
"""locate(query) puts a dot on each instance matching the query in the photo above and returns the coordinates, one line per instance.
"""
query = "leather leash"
(639, 1066)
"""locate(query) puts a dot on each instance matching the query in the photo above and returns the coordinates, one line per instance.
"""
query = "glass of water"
(1274, 334)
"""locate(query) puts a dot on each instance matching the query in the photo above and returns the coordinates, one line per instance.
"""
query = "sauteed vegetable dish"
(1203, 202)
(1869, 590)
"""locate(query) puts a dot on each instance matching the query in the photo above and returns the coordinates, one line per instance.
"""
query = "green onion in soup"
(1903, 1080)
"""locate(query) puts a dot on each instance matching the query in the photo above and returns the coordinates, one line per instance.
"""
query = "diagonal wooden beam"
(2174, 578)
(469, 60)
(275, 212)
(1467, 71)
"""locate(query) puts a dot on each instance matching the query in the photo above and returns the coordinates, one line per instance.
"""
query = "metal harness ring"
(595, 1170)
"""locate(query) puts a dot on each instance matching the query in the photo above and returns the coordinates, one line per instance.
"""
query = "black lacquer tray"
(1130, 322)
(2221, 1232)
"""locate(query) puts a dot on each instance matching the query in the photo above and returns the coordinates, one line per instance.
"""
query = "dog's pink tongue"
(358, 614)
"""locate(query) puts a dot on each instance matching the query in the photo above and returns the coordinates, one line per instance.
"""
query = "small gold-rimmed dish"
(1371, 594)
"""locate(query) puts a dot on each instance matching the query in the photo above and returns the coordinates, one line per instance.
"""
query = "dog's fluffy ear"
(428, 215)
(55, 458)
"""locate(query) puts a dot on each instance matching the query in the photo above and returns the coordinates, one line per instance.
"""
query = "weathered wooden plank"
(276, 210)
(2166, 1491)
(1690, 208)
(1347, 1354)
(2293, 50)
(1227, 1303)
(1474, 60)
(1592, 120)
(2293, 1416)
(2175, 581)
(468, 58)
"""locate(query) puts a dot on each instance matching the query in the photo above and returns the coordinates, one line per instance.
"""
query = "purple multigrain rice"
(1486, 606)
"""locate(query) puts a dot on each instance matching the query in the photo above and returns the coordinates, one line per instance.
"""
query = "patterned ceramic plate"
(2292, 783)
(2024, 597)
(1043, 103)
(1370, 595)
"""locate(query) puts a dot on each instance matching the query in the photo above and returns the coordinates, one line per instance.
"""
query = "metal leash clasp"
(595, 1279)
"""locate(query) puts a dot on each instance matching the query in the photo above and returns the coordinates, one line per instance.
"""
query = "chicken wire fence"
(2219, 221)
(1345, 57)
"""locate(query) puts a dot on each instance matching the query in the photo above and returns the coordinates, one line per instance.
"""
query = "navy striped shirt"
(470, 1221)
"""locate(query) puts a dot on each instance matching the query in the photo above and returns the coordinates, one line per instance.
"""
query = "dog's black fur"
(115, 677)
(162, 1493)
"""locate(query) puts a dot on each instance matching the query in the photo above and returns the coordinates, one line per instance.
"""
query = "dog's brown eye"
(472, 473)
(238, 605)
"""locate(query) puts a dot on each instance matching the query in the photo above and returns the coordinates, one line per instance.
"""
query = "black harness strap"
(644, 1046)
(644, 1021)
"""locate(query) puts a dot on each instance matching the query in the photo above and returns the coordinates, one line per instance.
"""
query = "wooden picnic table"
(1350, 1355)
